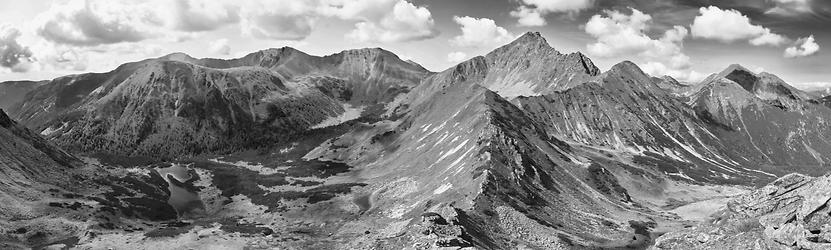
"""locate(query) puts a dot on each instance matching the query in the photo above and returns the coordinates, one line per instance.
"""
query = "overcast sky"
(688, 39)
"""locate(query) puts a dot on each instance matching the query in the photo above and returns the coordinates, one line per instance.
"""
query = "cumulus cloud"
(94, 22)
(279, 19)
(220, 47)
(13, 55)
(730, 26)
(803, 47)
(532, 12)
(619, 34)
(384, 20)
(455, 57)
(480, 32)
(683, 75)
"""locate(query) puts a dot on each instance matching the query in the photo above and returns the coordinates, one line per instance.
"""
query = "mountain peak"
(278, 51)
(740, 75)
(735, 67)
(625, 66)
(369, 52)
(530, 40)
(178, 56)
(531, 36)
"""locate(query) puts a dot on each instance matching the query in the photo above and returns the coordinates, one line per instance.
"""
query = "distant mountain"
(177, 106)
(624, 110)
(13, 92)
(765, 120)
(670, 84)
(818, 92)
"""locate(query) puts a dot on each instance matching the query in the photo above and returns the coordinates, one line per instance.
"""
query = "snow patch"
(351, 113)
(443, 188)
(51, 130)
(259, 168)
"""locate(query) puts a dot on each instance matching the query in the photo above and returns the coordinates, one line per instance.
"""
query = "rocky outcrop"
(791, 212)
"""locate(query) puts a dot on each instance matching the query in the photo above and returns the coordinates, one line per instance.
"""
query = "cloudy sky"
(688, 39)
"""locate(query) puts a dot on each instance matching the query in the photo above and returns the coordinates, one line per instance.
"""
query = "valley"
(523, 147)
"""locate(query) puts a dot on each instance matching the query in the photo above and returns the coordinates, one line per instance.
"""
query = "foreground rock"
(791, 212)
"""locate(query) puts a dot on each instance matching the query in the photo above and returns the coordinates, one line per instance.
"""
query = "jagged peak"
(531, 41)
(587, 62)
(531, 37)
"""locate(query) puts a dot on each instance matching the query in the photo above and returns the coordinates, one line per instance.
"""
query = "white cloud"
(814, 86)
(93, 22)
(96, 22)
(279, 19)
(384, 20)
(532, 12)
(618, 34)
(455, 57)
(803, 47)
(684, 75)
(528, 17)
(480, 32)
(730, 25)
(220, 47)
(769, 39)
(13, 55)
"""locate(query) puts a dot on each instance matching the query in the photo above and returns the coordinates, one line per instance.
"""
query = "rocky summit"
(523, 147)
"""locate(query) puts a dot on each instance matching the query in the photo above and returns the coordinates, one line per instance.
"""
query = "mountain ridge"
(521, 147)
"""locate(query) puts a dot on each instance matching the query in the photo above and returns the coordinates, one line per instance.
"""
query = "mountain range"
(524, 147)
